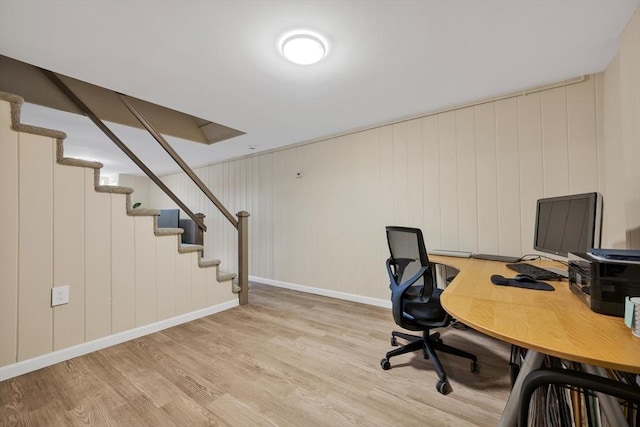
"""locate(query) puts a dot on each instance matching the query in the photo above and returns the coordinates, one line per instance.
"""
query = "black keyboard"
(533, 271)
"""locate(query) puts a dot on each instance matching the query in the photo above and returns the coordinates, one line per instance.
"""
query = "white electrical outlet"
(59, 295)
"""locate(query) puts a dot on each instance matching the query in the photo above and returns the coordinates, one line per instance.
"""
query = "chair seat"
(432, 310)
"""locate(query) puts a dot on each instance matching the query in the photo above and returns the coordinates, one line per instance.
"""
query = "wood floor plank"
(286, 359)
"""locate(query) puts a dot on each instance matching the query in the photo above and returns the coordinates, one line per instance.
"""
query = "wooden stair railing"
(241, 224)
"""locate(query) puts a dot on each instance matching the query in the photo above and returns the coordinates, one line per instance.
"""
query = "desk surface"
(555, 323)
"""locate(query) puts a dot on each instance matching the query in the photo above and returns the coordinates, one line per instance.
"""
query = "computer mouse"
(525, 278)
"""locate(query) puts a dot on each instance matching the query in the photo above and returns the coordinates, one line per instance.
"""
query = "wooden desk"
(553, 323)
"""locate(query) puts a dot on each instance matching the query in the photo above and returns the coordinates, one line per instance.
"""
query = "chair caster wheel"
(443, 387)
(385, 364)
(394, 342)
(475, 368)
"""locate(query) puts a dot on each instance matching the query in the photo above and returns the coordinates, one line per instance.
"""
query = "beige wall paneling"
(582, 137)
(269, 212)
(166, 253)
(600, 141)
(265, 207)
(314, 213)
(630, 100)
(384, 139)
(68, 254)
(277, 224)
(218, 237)
(467, 180)
(9, 215)
(141, 189)
(215, 291)
(257, 226)
(229, 243)
(554, 142)
(98, 260)
(286, 249)
(341, 220)
(159, 200)
(477, 171)
(487, 179)
(448, 181)
(370, 239)
(35, 255)
(531, 165)
(415, 174)
(123, 291)
(431, 164)
(509, 238)
(199, 283)
(614, 197)
(399, 163)
(146, 271)
(183, 284)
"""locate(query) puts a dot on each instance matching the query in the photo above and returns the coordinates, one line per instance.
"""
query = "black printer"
(603, 278)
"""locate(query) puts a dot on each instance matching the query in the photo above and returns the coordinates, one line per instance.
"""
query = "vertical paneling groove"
(400, 176)
(145, 271)
(97, 213)
(582, 137)
(448, 180)
(415, 173)
(35, 323)
(467, 179)
(554, 142)
(68, 255)
(431, 161)
(614, 219)
(531, 164)
(508, 177)
(123, 296)
(487, 178)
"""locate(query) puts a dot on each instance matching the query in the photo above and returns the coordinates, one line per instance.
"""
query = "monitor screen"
(568, 224)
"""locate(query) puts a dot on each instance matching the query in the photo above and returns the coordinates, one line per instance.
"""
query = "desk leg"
(533, 360)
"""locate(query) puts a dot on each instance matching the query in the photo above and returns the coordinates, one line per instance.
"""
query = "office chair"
(415, 302)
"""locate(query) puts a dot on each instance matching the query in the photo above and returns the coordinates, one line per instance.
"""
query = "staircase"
(61, 227)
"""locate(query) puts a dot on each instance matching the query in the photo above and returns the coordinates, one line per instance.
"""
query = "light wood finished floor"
(287, 359)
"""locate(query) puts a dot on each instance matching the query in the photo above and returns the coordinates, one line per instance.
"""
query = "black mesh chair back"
(409, 269)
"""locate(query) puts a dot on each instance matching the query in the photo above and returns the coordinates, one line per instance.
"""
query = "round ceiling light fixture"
(303, 48)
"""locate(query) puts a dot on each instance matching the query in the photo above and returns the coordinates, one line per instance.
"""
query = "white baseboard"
(49, 359)
(386, 303)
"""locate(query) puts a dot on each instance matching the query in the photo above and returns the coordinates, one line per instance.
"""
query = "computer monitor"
(570, 223)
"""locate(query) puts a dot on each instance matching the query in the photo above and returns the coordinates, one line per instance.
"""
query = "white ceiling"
(219, 60)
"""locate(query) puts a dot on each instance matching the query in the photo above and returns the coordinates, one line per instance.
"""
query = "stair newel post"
(243, 257)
